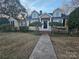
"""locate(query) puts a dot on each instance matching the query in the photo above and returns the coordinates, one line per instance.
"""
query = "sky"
(44, 5)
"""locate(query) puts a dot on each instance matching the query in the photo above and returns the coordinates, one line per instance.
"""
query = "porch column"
(40, 19)
(49, 22)
(66, 26)
(50, 19)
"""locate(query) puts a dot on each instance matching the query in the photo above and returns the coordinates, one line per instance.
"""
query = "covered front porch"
(45, 19)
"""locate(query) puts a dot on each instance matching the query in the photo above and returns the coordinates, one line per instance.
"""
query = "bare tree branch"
(11, 8)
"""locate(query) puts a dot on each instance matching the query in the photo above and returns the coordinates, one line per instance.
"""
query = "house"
(17, 16)
(57, 16)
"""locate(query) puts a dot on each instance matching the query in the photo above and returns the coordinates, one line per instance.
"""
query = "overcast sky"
(44, 5)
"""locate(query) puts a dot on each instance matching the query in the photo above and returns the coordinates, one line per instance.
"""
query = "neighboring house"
(16, 23)
(45, 18)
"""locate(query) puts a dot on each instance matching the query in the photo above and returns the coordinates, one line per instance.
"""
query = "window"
(12, 23)
(60, 20)
(34, 15)
(59, 14)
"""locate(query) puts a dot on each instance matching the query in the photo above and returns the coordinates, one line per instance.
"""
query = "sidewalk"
(44, 49)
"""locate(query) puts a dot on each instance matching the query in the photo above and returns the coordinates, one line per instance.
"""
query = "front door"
(45, 25)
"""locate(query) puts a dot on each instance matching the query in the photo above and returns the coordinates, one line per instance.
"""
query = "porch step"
(45, 32)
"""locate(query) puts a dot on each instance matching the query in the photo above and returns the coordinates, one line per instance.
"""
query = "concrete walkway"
(44, 49)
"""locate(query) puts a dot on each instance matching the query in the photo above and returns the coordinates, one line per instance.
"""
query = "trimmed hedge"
(55, 24)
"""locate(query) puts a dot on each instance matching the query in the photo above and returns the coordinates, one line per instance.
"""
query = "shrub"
(73, 20)
(4, 28)
(55, 24)
(24, 29)
(37, 24)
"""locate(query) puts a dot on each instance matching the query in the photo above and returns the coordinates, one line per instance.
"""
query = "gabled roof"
(58, 9)
(34, 11)
(45, 15)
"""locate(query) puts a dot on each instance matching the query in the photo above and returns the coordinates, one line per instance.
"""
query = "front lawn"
(17, 45)
(66, 47)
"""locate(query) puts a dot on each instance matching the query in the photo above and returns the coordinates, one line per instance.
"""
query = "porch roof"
(45, 15)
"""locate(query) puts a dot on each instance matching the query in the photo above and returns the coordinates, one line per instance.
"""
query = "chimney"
(40, 12)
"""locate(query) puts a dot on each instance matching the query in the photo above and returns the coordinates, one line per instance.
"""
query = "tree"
(37, 24)
(75, 2)
(73, 20)
(11, 8)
